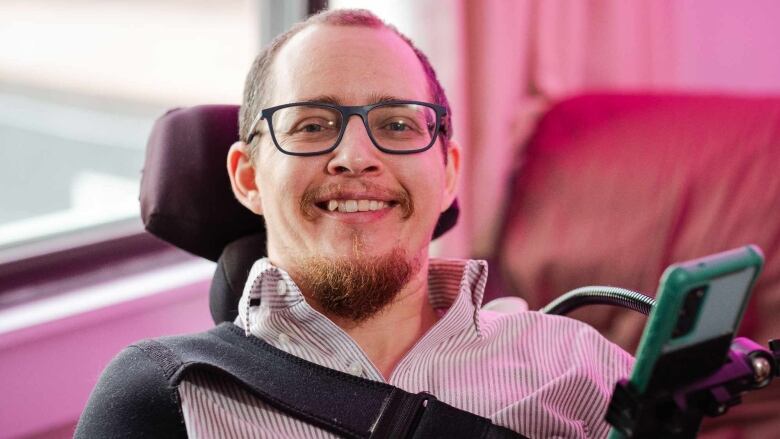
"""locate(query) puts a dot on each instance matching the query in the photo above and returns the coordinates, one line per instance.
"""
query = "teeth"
(350, 206)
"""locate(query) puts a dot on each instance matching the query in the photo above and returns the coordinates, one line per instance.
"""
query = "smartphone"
(699, 307)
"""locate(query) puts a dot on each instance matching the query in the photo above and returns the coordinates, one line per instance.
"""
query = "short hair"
(256, 92)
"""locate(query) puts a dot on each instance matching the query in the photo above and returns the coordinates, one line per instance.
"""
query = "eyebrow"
(372, 98)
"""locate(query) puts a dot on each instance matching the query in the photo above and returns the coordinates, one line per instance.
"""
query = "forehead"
(353, 64)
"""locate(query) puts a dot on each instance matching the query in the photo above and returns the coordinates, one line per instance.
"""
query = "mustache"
(338, 190)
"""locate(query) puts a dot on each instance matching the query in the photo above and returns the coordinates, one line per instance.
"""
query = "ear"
(451, 174)
(241, 171)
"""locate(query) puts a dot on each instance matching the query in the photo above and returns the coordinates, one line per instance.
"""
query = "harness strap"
(338, 402)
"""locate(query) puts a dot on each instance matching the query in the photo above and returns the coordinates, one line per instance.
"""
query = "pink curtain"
(604, 44)
(518, 55)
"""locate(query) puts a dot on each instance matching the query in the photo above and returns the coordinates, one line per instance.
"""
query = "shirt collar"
(455, 289)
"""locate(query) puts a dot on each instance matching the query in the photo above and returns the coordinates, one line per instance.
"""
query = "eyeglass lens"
(311, 128)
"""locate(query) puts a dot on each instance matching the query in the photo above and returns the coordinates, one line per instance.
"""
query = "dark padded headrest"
(186, 198)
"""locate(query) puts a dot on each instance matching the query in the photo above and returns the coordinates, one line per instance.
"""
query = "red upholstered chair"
(613, 188)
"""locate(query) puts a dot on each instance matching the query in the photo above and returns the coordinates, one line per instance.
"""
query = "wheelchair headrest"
(186, 198)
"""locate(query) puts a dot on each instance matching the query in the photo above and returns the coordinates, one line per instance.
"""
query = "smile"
(351, 206)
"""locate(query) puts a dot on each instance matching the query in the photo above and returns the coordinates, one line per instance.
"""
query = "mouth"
(355, 205)
(365, 202)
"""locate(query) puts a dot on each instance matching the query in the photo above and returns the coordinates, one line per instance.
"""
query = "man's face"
(353, 66)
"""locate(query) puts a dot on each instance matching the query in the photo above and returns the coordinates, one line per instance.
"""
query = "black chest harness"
(344, 404)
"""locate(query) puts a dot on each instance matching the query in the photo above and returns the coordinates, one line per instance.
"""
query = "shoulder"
(132, 398)
(572, 342)
(576, 364)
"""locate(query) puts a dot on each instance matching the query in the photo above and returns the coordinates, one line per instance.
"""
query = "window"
(81, 83)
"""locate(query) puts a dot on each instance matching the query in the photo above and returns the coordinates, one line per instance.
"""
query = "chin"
(364, 248)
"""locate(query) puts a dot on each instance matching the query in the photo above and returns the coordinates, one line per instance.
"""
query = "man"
(346, 153)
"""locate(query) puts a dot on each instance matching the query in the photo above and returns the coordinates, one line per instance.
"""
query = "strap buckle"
(400, 414)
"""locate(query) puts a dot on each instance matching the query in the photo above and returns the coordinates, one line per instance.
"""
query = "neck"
(388, 335)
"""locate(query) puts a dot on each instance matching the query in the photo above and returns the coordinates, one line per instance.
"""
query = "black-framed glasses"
(312, 128)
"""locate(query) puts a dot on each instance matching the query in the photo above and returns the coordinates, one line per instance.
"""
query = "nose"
(356, 154)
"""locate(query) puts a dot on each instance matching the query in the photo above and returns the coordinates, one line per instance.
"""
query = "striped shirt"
(540, 375)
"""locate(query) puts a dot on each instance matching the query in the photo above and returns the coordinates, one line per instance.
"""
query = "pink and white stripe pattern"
(543, 376)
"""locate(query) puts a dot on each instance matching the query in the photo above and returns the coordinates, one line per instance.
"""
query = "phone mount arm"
(600, 295)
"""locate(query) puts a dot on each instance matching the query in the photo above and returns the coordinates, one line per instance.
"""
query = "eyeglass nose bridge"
(346, 114)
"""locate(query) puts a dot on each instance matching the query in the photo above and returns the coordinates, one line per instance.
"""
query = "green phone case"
(676, 282)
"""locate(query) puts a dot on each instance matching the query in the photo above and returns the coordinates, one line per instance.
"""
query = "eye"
(401, 120)
(400, 125)
(313, 126)
(397, 125)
